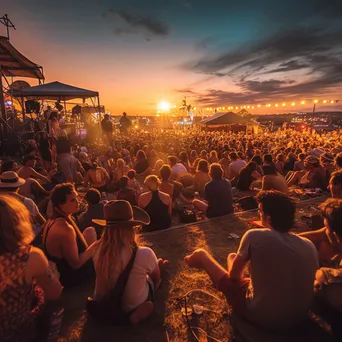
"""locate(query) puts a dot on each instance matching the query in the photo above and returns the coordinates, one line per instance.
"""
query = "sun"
(164, 106)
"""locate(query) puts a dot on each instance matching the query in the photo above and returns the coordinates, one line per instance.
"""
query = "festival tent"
(14, 64)
(229, 121)
(55, 91)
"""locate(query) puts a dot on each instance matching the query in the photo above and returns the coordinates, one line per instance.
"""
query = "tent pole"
(2, 102)
(99, 106)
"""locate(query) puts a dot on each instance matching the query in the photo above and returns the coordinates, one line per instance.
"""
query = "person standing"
(125, 123)
(107, 128)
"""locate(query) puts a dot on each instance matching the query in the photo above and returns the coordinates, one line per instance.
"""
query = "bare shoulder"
(37, 261)
(62, 227)
(164, 197)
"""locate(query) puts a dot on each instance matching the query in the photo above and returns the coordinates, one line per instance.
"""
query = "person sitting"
(218, 198)
(279, 293)
(97, 176)
(213, 157)
(316, 177)
(94, 210)
(31, 188)
(177, 169)
(120, 170)
(64, 244)
(159, 163)
(235, 166)
(119, 240)
(28, 171)
(26, 280)
(273, 180)
(171, 187)
(201, 177)
(299, 164)
(280, 163)
(10, 183)
(142, 166)
(338, 162)
(84, 160)
(335, 184)
(268, 159)
(125, 192)
(157, 204)
(247, 176)
(133, 183)
(225, 162)
(328, 240)
(327, 161)
(183, 158)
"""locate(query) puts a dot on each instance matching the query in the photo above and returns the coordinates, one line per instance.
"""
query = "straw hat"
(118, 213)
(327, 156)
(10, 179)
(311, 160)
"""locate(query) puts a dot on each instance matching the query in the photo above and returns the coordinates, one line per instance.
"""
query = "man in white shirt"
(177, 169)
(235, 166)
(282, 268)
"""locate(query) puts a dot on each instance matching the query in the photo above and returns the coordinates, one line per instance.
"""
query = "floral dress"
(20, 302)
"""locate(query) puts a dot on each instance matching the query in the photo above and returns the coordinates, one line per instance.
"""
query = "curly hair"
(332, 212)
(279, 207)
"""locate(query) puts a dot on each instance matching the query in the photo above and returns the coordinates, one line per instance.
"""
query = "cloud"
(268, 86)
(127, 22)
(262, 70)
(290, 66)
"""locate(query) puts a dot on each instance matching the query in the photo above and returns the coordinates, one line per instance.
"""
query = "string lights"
(276, 105)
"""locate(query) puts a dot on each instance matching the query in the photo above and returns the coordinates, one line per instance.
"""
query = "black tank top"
(159, 213)
(68, 275)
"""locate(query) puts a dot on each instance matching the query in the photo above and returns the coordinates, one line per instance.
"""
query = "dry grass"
(167, 321)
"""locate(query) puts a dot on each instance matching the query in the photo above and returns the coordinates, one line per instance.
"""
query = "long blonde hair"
(109, 265)
(15, 224)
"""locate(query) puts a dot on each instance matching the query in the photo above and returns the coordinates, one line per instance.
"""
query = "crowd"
(80, 203)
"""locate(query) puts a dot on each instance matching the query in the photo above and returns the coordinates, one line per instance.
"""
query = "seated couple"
(80, 258)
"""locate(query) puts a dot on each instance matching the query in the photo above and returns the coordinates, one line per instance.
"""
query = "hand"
(195, 260)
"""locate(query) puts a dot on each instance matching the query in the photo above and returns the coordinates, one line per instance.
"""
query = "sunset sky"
(137, 53)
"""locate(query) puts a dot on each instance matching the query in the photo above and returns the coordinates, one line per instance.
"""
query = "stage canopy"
(55, 91)
(221, 119)
(14, 64)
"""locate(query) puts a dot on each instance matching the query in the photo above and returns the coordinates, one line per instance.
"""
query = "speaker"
(32, 106)
(58, 106)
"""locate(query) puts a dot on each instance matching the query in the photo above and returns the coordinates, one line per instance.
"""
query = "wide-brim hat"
(120, 212)
(10, 179)
(327, 156)
(311, 160)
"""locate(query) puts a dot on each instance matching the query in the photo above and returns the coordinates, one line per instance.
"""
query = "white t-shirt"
(31, 207)
(136, 291)
(283, 268)
(177, 171)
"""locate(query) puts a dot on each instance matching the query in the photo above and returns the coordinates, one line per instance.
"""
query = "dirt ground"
(168, 323)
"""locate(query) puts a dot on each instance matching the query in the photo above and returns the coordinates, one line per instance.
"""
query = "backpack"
(109, 308)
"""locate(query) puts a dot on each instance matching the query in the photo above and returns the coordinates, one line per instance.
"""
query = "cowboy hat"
(10, 179)
(311, 160)
(327, 156)
(121, 212)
